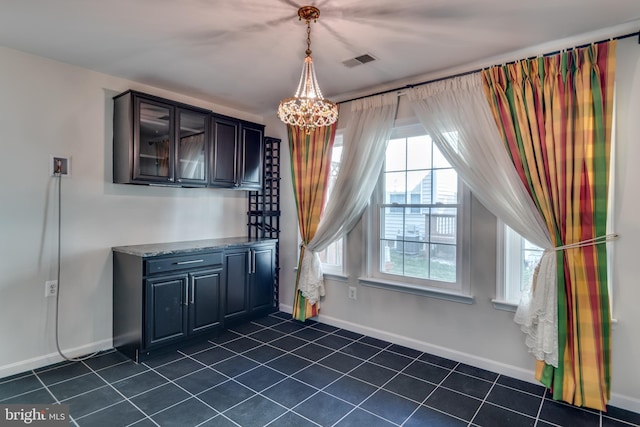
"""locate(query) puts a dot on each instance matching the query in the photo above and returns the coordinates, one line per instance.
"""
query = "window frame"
(459, 290)
(333, 270)
(508, 268)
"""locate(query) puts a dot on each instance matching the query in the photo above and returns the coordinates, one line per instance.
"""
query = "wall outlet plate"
(352, 292)
(65, 165)
(50, 288)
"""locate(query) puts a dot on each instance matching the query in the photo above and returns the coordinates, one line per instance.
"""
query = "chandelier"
(307, 108)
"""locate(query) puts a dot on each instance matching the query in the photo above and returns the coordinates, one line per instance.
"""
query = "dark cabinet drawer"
(182, 262)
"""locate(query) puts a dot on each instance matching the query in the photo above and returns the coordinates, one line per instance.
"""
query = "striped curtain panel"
(310, 165)
(555, 116)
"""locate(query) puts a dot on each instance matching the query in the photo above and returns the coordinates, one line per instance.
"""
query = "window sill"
(504, 305)
(417, 290)
(335, 277)
(330, 276)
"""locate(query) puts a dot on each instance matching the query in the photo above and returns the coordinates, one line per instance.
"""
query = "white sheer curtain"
(364, 146)
(457, 116)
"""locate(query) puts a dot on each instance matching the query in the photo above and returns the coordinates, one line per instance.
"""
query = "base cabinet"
(262, 279)
(161, 302)
(204, 304)
(166, 310)
(249, 282)
(181, 306)
(236, 286)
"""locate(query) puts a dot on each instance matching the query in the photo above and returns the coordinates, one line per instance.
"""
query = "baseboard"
(51, 358)
(457, 356)
(286, 308)
(625, 402)
(617, 400)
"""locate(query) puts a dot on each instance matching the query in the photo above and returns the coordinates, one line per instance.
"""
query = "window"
(332, 258)
(419, 218)
(517, 261)
(520, 258)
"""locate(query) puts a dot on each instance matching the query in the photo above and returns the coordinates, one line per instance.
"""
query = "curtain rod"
(411, 86)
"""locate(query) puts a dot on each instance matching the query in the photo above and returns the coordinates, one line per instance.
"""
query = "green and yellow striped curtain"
(555, 116)
(310, 165)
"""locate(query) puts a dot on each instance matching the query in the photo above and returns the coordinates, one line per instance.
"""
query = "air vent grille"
(358, 60)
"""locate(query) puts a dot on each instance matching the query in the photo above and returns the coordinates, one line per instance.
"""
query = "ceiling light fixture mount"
(307, 108)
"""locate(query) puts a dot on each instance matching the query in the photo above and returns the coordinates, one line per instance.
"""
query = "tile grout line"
(398, 372)
(387, 348)
(205, 367)
(256, 393)
(433, 391)
(290, 352)
(346, 374)
(483, 401)
(126, 399)
(540, 408)
(72, 419)
(315, 362)
(190, 395)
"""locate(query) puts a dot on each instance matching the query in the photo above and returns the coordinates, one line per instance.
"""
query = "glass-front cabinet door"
(192, 147)
(154, 154)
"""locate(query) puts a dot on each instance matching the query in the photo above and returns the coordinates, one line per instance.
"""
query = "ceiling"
(247, 54)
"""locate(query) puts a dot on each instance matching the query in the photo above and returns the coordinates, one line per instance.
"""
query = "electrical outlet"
(61, 165)
(50, 288)
(352, 292)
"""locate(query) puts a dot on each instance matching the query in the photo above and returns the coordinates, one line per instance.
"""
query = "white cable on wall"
(58, 174)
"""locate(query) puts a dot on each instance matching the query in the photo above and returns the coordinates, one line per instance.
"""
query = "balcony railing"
(418, 230)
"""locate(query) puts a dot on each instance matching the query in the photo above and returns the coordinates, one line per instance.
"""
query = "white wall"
(478, 333)
(51, 108)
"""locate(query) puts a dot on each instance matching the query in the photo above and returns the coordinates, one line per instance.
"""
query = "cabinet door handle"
(253, 254)
(193, 289)
(194, 261)
(186, 293)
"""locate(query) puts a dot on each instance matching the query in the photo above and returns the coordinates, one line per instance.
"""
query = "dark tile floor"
(277, 372)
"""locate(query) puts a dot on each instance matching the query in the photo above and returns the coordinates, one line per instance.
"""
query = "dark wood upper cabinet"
(157, 141)
(224, 152)
(237, 154)
(153, 142)
(163, 142)
(192, 147)
(252, 160)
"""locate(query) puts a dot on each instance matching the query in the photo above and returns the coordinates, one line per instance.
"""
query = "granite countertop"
(155, 249)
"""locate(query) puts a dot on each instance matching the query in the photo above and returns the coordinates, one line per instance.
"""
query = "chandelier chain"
(308, 52)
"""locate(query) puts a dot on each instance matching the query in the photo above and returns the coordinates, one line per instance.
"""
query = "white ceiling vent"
(358, 60)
